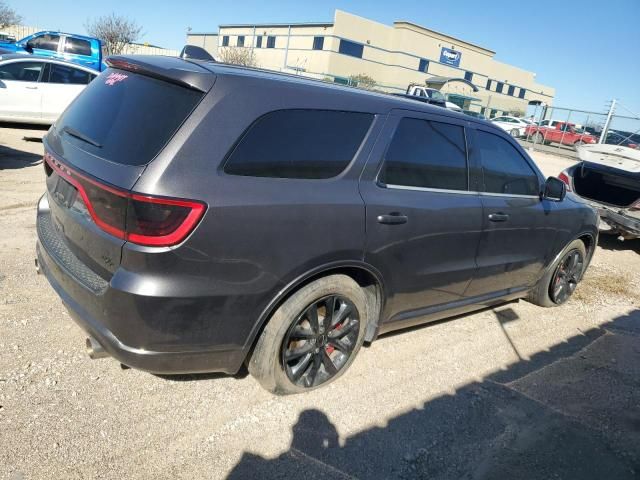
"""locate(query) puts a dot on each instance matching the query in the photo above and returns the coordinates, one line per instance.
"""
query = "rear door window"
(426, 154)
(77, 46)
(504, 169)
(126, 118)
(66, 74)
(312, 144)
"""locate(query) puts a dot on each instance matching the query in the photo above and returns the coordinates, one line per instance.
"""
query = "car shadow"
(611, 242)
(11, 158)
(569, 412)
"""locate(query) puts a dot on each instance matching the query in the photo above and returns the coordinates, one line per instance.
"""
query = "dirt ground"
(513, 392)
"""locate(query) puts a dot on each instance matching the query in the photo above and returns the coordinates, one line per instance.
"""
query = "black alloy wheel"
(320, 341)
(566, 277)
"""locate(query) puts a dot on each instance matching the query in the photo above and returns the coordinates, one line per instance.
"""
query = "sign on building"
(450, 57)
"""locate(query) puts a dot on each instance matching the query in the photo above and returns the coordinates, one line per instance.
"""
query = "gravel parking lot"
(513, 392)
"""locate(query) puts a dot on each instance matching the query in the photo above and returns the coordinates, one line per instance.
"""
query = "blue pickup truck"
(86, 51)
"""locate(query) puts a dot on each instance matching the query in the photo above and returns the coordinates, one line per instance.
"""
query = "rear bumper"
(92, 301)
(619, 222)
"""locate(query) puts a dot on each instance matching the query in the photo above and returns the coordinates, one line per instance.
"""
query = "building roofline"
(444, 35)
(289, 24)
(202, 33)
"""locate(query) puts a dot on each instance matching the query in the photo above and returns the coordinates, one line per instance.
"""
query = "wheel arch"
(362, 273)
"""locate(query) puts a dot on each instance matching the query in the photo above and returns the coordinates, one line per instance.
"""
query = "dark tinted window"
(225, 41)
(488, 84)
(350, 48)
(68, 75)
(240, 41)
(499, 86)
(511, 90)
(299, 144)
(77, 46)
(45, 42)
(426, 154)
(271, 42)
(423, 66)
(318, 43)
(522, 92)
(129, 117)
(505, 169)
(21, 71)
(258, 42)
(468, 76)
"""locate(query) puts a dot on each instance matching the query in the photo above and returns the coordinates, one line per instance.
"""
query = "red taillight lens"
(141, 219)
(565, 179)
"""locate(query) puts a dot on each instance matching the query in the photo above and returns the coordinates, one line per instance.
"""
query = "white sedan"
(513, 125)
(36, 89)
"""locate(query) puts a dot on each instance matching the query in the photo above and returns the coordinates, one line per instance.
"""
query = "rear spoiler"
(169, 69)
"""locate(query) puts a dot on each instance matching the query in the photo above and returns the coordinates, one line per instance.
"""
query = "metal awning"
(442, 81)
(463, 97)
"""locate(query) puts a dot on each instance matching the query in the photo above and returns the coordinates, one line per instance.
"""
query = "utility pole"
(607, 123)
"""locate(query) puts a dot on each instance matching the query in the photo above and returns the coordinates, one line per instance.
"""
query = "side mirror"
(29, 47)
(554, 189)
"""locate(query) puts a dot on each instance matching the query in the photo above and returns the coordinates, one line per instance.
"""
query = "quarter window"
(311, 144)
(45, 42)
(350, 48)
(21, 71)
(318, 43)
(505, 170)
(271, 42)
(76, 46)
(426, 154)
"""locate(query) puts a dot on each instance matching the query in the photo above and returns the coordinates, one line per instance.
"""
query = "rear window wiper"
(81, 136)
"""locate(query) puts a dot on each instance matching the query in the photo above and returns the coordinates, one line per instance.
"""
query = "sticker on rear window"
(114, 78)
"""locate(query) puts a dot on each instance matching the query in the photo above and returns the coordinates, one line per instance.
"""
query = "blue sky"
(588, 50)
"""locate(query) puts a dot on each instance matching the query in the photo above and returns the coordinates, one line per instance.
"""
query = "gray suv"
(199, 216)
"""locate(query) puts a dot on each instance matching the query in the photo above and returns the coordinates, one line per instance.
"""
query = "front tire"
(313, 338)
(515, 133)
(561, 280)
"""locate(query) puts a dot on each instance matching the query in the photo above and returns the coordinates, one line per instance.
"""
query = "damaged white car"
(608, 178)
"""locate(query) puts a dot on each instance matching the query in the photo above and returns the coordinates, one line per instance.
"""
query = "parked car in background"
(7, 38)
(426, 95)
(608, 177)
(562, 133)
(80, 49)
(185, 234)
(38, 89)
(514, 126)
(621, 139)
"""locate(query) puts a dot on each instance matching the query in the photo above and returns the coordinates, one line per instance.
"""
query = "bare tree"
(115, 31)
(8, 15)
(238, 56)
(362, 80)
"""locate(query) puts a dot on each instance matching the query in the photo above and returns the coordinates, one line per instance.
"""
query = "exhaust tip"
(94, 349)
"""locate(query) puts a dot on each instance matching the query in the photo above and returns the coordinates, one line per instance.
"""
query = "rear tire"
(545, 293)
(277, 361)
(538, 138)
(515, 133)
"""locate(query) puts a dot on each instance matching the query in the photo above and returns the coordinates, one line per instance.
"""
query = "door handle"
(393, 218)
(498, 217)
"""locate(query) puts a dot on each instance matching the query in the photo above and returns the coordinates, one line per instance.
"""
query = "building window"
(499, 86)
(488, 84)
(423, 66)
(511, 90)
(350, 48)
(494, 113)
(271, 42)
(225, 41)
(258, 42)
(240, 41)
(318, 43)
(482, 110)
(468, 76)
(522, 92)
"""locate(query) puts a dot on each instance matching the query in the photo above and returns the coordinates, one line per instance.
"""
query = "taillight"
(565, 179)
(140, 219)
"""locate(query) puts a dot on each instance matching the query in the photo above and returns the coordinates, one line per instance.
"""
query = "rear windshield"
(126, 118)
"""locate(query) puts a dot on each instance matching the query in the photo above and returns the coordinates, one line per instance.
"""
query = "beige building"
(394, 56)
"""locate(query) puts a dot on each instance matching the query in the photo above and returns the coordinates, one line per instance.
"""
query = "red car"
(562, 132)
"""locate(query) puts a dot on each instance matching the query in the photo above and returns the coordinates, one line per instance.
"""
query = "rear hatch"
(99, 147)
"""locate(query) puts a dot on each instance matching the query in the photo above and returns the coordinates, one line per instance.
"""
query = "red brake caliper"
(331, 348)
